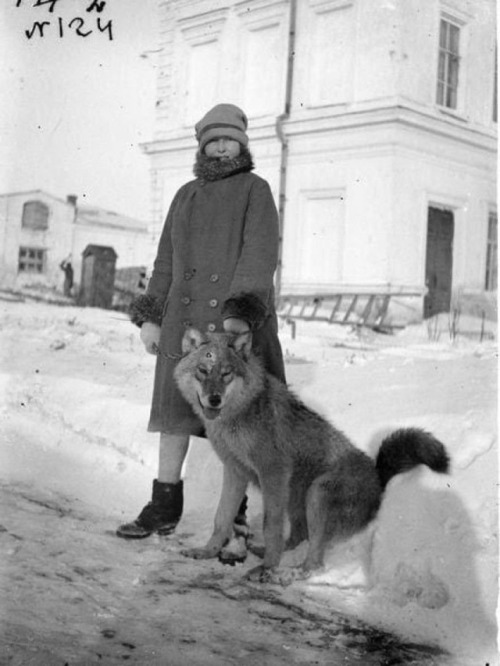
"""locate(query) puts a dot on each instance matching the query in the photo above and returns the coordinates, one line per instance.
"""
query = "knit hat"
(222, 120)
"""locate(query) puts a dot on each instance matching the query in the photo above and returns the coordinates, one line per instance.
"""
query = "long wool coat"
(216, 258)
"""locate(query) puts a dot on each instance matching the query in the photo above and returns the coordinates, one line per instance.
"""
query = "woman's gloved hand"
(235, 325)
(150, 336)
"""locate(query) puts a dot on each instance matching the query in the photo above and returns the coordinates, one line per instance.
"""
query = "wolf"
(265, 435)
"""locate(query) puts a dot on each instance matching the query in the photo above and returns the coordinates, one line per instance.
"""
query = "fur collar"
(212, 168)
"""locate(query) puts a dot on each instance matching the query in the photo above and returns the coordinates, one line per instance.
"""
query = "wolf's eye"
(202, 370)
(225, 374)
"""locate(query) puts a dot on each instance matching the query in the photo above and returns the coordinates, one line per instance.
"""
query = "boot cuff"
(161, 489)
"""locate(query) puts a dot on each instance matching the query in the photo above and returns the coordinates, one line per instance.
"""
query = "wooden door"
(439, 261)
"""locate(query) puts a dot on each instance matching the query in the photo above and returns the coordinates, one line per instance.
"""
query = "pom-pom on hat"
(223, 120)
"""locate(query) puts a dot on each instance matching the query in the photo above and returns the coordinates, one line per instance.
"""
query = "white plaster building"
(38, 231)
(374, 122)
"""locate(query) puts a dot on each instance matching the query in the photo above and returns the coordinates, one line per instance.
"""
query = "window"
(491, 281)
(31, 260)
(35, 216)
(448, 63)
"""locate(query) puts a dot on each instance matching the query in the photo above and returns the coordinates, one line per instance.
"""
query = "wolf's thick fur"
(264, 434)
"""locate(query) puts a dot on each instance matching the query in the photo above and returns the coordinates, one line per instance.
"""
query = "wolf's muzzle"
(212, 410)
(214, 400)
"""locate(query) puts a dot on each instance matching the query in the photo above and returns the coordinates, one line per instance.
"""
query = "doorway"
(439, 261)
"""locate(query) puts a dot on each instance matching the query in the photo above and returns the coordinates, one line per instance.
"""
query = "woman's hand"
(235, 325)
(150, 336)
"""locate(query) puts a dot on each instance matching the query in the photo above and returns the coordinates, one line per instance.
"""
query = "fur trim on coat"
(213, 168)
(248, 307)
(145, 308)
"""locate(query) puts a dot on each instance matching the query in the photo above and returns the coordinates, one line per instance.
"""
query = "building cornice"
(182, 139)
(400, 114)
(330, 120)
(203, 27)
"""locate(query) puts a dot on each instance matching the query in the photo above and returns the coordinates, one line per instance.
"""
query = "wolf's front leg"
(274, 488)
(234, 486)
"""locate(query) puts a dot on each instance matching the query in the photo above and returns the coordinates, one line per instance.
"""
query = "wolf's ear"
(192, 340)
(242, 344)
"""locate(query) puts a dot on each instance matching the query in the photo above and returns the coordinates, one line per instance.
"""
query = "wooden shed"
(98, 276)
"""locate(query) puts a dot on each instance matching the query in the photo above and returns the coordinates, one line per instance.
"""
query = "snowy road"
(78, 596)
(75, 460)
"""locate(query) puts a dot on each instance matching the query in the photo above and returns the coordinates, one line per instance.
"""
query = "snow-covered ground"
(75, 460)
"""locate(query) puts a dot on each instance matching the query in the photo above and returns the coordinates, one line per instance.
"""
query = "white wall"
(62, 238)
(56, 240)
(370, 149)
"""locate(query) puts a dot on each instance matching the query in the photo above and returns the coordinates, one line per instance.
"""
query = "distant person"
(67, 268)
(213, 271)
(141, 285)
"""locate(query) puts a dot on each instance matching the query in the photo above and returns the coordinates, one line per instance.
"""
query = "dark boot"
(236, 549)
(161, 515)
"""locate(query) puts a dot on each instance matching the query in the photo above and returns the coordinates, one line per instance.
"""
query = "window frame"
(446, 58)
(31, 265)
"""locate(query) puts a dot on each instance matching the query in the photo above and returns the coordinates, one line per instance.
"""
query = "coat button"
(188, 275)
(186, 300)
(211, 327)
(213, 303)
(214, 277)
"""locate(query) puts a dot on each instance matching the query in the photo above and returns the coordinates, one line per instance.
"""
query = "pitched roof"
(25, 192)
(91, 215)
(94, 215)
(105, 251)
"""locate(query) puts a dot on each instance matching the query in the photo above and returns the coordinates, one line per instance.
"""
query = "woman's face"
(223, 148)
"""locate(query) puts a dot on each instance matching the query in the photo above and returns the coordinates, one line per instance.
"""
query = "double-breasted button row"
(189, 274)
(213, 302)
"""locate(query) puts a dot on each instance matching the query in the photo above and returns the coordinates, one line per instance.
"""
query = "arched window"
(35, 215)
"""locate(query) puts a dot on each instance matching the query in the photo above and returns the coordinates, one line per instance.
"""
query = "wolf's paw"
(257, 549)
(261, 574)
(200, 553)
(291, 575)
(293, 542)
(277, 575)
(234, 552)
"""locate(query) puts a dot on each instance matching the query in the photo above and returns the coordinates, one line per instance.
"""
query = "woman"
(213, 271)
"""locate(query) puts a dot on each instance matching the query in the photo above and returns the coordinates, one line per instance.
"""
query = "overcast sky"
(74, 109)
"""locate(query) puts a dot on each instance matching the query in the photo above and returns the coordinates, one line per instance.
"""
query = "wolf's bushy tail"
(405, 449)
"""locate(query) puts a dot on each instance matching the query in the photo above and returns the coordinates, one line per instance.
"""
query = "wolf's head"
(211, 373)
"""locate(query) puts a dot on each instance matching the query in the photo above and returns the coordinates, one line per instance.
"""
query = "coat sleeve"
(149, 307)
(251, 293)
